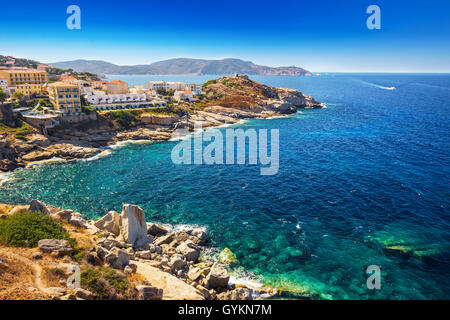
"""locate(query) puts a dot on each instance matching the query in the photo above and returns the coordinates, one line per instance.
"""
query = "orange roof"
(118, 82)
(185, 91)
(24, 71)
(62, 84)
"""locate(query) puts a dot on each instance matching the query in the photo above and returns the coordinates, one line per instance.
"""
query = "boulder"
(36, 205)
(188, 250)
(218, 277)
(101, 252)
(177, 262)
(110, 222)
(194, 273)
(133, 227)
(53, 245)
(77, 220)
(200, 234)
(164, 239)
(83, 294)
(36, 255)
(156, 230)
(64, 214)
(149, 293)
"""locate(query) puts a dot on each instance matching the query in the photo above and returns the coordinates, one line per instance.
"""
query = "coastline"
(180, 254)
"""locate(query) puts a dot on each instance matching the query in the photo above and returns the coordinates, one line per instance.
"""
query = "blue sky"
(317, 35)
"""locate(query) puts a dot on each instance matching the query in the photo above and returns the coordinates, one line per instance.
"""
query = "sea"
(363, 182)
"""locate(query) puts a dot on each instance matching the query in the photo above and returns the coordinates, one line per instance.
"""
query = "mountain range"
(181, 66)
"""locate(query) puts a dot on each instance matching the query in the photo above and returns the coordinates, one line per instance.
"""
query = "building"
(185, 95)
(65, 97)
(68, 79)
(155, 85)
(150, 94)
(138, 89)
(195, 88)
(117, 101)
(29, 89)
(34, 78)
(4, 86)
(117, 87)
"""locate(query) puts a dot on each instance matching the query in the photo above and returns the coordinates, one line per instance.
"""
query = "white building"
(185, 95)
(175, 86)
(96, 99)
(137, 89)
(4, 86)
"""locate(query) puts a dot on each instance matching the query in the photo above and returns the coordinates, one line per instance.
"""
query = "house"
(117, 87)
(183, 95)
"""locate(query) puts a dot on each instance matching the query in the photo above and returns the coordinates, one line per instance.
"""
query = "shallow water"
(362, 182)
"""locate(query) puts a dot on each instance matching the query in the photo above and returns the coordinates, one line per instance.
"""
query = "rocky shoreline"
(228, 100)
(171, 264)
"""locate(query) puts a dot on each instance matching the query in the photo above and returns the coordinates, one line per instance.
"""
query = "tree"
(18, 95)
(161, 91)
(170, 92)
(3, 96)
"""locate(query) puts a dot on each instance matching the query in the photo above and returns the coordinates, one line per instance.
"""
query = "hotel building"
(65, 97)
(28, 79)
(117, 87)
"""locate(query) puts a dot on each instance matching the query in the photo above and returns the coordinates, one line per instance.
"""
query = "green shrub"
(105, 283)
(26, 228)
(125, 119)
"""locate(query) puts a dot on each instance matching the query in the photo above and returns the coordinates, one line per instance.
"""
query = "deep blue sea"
(363, 182)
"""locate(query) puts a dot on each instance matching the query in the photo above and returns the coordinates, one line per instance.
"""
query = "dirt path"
(37, 270)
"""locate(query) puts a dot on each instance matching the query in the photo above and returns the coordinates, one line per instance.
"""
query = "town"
(41, 93)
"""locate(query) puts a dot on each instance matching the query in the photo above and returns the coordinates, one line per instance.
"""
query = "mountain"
(181, 66)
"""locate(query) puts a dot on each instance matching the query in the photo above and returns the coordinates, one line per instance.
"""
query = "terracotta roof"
(118, 82)
(62, 84)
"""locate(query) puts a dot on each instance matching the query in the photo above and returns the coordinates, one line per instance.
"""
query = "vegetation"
(3, 96)
(207, 83)
(105, 283)
(18, 95)
(161, 91)
(26, 228)
(125, 119)
(21, 128)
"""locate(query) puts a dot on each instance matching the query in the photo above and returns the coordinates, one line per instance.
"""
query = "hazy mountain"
(181, 66)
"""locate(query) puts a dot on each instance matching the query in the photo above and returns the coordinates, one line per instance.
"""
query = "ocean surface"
(363, 182)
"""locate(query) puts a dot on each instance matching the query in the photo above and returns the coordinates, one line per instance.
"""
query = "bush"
(26, 228)
(125, 119)
(105, 283)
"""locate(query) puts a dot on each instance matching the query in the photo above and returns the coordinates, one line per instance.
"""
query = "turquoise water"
(363, 182)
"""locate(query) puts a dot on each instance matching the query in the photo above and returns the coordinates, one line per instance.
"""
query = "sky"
(318, 35)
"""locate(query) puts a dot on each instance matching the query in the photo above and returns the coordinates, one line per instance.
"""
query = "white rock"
(133, 227)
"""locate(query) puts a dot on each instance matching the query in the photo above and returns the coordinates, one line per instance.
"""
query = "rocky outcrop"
(36, 205)
(159, 119)
(61, 247)
(61, 150)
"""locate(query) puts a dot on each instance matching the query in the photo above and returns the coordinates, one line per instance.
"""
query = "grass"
(105, 283)
(26, 228)
(24, 128)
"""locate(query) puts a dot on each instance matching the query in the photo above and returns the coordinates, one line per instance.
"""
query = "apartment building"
(117, 87)
(65, 97)
(34, 78)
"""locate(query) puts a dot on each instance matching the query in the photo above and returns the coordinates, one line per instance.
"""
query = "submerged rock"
(227, 256)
